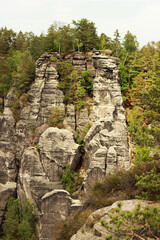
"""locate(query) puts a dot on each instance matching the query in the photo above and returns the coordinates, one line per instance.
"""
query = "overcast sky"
(140, 17)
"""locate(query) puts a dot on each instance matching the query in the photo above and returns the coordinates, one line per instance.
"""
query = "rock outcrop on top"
(33, 155)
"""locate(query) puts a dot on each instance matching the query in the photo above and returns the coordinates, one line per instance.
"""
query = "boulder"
(93, 228)
(57, 148)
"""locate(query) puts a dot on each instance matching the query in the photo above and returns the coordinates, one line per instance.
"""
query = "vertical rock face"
(56, 207)
(106, 145)
(106, 149)
(57, 148)
(44, 94)
(33, 155)
(40, 174)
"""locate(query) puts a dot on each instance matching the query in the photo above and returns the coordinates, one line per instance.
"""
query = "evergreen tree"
(19, 223)
(12, 219)
(130, 42)
(85, 31)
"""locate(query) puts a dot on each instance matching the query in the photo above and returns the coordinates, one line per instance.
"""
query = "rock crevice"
(42, 151)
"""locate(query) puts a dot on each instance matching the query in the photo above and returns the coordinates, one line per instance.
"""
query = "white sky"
(140, 17)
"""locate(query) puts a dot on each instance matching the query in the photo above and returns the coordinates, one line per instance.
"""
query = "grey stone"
(41, 152)
(8, 171)
(56, 207)
(57, 148)
(93, 229)
(7, 190)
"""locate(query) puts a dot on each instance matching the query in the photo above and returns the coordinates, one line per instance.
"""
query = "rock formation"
(93, 229)
(33, 155)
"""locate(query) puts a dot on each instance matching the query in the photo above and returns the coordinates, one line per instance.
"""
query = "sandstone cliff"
(33, 155)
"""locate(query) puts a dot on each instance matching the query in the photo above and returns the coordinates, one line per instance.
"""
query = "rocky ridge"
(33, 155)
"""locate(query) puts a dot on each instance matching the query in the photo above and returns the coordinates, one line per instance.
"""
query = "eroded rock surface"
(6, 191)
(44, 94)
(40, 173)
(106, 144)
(33, 155)
(57, 148)
(56, 207)
(106, 149)
(93, 229)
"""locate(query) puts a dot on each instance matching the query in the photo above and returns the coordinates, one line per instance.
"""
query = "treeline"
(19, 51)
(19, 222)
(140, 73)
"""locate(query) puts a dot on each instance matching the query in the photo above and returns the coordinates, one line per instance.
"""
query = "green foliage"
(142, 154)
(53, 59)
(65, 230)
(32, 129)
(124, 78)
(66, 33)
(80, 96)
(70, 180)
(85, 31)
(50, 45)
(87, 82)
(7, 38)
(65, 69)
(24, 75)
(75, 88)
(56, 118)
(139, 131)
(117, 186)
(20, 75)
(141, 223)
(19, 221)
(79, 136)
(130, 42)
(5, 84)
(105, 42)
(150, 182)
(24, 99)
(16, 108)
(116, 44)
(130, 184)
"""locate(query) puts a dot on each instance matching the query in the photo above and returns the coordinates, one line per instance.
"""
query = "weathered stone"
(7, 135)
(8, 171)
(79, 62)
(56, 207)
(40, 167)
(57, 148)
(33, 181)
(69, 121)
(44, 94)
(82, 118)
(106, 144)
(7, 190)
(94, 174)
(106, 148)
(93, 229)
